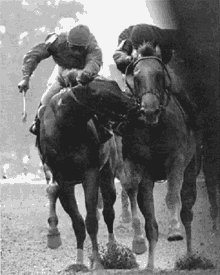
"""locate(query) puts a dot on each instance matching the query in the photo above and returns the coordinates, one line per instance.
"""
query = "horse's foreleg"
(188, 198)
(146, 204)
(173, 199)
(68, 201)
(53, 236)
(138, 244)
(91, 188)
(211, 169)
(109, 197)
(213, 190)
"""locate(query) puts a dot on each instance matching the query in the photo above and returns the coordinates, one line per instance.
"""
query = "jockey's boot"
(103, 128)
(190, 109)
(34, 129)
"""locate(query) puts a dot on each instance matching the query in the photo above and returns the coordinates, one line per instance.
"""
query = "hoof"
(216, 226)
(95, 265)
(139, 246)
(175, 235)
(125, 217)
(53, 240)
(149, 270)
(72, 269)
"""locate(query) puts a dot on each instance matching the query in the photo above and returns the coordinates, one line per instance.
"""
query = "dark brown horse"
(159, 145)
(198, 46)
(70, 150)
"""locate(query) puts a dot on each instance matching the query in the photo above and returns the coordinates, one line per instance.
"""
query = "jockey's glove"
(123, 63)
(84, 77)
(23, 85)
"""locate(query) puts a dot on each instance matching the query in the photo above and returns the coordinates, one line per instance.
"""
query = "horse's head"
(148, 80)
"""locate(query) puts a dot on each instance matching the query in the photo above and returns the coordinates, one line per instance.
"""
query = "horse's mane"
(147, 49)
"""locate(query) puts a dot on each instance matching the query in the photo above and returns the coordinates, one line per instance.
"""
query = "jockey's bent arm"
(125, 34)
(38, 53)
(122, 55)
(93, 58)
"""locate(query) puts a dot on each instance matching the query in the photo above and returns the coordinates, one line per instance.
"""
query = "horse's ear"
(129, 77)
(158, 52)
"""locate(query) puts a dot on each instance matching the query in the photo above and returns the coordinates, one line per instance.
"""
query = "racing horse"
(159, 145)
(70, 149)
(197, 23)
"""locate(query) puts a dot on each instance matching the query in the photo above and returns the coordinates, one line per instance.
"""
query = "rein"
(94, 110)
(166, 89)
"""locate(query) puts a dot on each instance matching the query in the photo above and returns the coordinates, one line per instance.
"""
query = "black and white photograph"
(110, 137)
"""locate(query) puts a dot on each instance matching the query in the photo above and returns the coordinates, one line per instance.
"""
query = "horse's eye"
(160, 77)
(136, 73)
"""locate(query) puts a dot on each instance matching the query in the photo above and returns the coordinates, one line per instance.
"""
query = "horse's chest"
(151, 149)
(152, 157)
(145, 145)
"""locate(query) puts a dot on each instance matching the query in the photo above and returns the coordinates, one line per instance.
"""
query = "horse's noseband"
(158, 94)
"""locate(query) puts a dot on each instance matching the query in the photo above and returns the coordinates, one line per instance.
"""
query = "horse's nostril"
(142, 110)
(157, 112)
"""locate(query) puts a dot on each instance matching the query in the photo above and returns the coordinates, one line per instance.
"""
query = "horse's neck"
(67, 108)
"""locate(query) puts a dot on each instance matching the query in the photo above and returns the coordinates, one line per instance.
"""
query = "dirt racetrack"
(24, 214)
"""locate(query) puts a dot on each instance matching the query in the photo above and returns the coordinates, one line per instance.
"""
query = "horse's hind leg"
(146, 204)
(188, 198)
(68, 201)
(53, 236)
(100, 204)
(91, 186)
(109, 197)
(125, 215)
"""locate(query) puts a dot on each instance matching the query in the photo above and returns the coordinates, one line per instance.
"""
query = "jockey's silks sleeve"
(137, 34)
(121, 55)
(126, 34)
(123, 50)
(36, 54)
(93, 57)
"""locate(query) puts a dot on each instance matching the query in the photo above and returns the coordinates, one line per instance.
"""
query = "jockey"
(76, 49)
(134, 36)
(166, 39)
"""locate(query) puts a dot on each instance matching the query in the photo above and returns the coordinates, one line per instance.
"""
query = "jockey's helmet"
(79, 36)
(143, 33)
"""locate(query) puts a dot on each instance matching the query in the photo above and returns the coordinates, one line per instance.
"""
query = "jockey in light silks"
(76, 49)
(166, 40)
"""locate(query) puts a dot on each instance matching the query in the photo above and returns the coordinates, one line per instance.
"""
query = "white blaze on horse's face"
(148, 82)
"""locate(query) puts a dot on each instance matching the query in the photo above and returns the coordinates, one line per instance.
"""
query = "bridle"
(158, 94)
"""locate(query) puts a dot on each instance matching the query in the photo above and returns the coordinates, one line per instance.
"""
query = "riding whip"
(24, 113)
